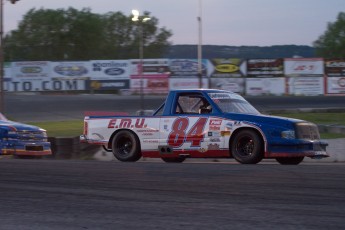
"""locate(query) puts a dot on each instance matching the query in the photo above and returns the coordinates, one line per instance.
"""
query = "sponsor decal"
(215, 139)
(226, 68)
(225, 133)
(214, 124)
(213, 147)
(237, 123)
(127, 123)
(202, 150)
(114, 71)
(150, 141)
(229, 126)
(31, 69)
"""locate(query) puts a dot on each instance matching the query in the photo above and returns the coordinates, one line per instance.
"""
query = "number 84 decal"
(178, 135)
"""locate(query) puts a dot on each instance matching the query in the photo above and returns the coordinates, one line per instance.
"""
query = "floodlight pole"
(2, 99)
(2, 94)
(200, 45)
(136, 18)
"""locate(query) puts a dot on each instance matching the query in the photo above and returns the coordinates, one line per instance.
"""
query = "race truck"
(205, 123)
(22, 140)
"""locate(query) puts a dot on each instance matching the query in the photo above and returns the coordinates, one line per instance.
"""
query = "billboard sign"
(109, 69)
(31, 70)
(228, 67)
(70, 70)
(265, 67)
(303, 66)
(150, 66)
(335, 68)
(187, 67)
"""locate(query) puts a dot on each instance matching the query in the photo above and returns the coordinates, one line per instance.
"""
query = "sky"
(224, 22)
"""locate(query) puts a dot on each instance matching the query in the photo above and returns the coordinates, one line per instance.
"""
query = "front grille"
(307, 131)
(34, 148)
(27, 135)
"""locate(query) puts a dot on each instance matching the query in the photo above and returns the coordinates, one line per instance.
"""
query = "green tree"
(332, 43)
(72, 34)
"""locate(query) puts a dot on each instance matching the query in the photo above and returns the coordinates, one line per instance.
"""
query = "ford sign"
(114, 71)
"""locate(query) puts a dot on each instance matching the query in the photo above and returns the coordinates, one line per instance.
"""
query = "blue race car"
(22, 140)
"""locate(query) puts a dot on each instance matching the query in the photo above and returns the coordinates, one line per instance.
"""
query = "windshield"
(232, 103)
(2, 117)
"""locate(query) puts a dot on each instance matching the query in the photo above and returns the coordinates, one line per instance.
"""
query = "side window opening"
(192, 104)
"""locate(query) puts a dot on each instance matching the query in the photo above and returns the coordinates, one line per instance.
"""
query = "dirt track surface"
(60, 194)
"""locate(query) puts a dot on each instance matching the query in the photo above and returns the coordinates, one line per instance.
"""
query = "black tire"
(126, 146)
(173, 159)
(289, 160)
(247, 147)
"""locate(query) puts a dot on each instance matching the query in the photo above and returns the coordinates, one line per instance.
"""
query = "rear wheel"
(289, 160)
(247, 147)
(126, 146)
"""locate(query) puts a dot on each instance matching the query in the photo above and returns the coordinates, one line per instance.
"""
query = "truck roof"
(200, 90)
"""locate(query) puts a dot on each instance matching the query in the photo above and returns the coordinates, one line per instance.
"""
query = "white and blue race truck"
(205, 123)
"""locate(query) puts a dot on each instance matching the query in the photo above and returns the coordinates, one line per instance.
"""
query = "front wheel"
(126, 146)
(289, 160)
(247, 147)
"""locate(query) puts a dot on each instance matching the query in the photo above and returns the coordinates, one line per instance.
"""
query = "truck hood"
(264, 119)
(16, 126)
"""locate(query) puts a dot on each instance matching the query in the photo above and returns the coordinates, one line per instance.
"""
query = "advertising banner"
(265, 86)
(235, 85)
(303, 66)
(265, 67)
(45, 85)
(151, 84)
(335, 68)
(7, 75)
(187, 83)
(308, 86)
(187, 67)
(107, 84)
(228, 68)
(150, 66)
(32, 70)
(336, 85)
(110, 70)
(70, 70)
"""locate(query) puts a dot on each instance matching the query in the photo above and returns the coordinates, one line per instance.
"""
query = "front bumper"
(26, 149)
(298, 148)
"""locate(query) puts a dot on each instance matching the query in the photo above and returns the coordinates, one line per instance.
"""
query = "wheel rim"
(245, 146)
(124, 145)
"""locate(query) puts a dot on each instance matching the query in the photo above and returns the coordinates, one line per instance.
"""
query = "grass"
(75, 127)
(62, 128)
